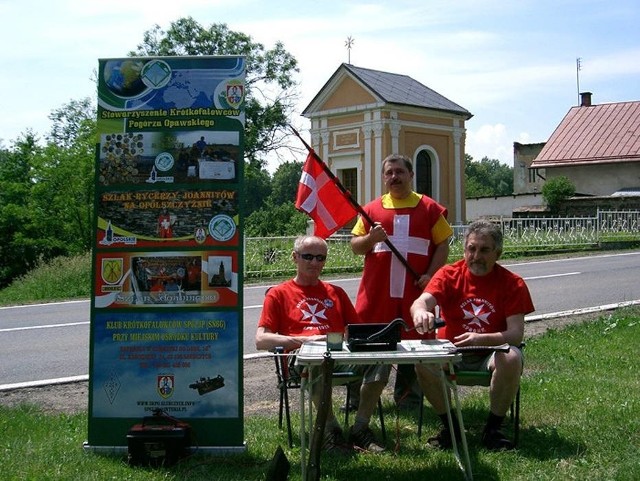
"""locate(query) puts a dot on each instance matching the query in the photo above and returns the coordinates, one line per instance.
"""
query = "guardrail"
(270, 257)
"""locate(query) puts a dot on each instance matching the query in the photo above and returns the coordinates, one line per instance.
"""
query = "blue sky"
(512, 64)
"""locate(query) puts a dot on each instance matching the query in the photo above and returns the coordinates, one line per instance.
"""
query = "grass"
(580, 420)
(59, 279)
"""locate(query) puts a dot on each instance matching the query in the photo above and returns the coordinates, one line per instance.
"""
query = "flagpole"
(355, 204)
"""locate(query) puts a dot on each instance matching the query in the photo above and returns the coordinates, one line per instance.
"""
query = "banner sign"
(166, 309)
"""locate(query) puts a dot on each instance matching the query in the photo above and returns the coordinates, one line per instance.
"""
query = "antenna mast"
(578, 68)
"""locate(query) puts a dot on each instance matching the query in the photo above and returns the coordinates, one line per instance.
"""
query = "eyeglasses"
(310, 257)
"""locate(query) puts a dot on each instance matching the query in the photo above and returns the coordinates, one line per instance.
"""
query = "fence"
(270, 257)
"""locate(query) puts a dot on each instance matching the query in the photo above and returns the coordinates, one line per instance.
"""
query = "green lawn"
(580, 420)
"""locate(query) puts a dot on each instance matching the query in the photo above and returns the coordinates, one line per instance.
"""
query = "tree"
(489, 177)
(21, 244)
(276, 220)
(46, 193)
(270, 85)
(256, 189)
(556, 190)
(284, 183)
(72, 121)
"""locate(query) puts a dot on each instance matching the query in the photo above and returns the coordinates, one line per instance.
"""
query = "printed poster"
(166, 313)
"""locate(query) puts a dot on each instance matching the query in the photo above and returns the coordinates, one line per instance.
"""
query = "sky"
(512, 64)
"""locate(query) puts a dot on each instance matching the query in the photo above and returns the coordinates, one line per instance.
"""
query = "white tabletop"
(407, 352)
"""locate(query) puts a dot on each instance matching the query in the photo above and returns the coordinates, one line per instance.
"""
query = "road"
(51, 341)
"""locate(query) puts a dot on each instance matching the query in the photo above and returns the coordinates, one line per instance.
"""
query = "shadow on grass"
(544, 443)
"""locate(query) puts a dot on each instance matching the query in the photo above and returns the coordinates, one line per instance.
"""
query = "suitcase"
(159, 440)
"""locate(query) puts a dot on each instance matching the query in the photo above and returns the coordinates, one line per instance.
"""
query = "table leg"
(465, 463)
(303, 447)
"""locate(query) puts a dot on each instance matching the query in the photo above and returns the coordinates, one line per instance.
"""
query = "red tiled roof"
(597, 134)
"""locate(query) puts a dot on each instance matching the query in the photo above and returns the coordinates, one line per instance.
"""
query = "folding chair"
(475, 378)
(288, 380)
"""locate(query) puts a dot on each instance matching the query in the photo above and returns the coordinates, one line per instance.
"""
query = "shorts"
(480, 362)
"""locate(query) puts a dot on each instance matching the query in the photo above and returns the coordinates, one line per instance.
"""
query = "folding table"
(436, 352)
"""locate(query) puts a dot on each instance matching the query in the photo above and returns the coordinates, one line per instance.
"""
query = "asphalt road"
(45, 342)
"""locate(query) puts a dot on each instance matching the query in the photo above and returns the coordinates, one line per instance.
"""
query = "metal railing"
(270, 257)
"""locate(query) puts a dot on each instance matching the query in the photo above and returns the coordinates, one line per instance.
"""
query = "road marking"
(552, 275)
(46, 326)
(46, 304)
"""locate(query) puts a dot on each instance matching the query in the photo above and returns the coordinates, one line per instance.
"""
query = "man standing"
(305, 309)
(482, 304)
(416, 225)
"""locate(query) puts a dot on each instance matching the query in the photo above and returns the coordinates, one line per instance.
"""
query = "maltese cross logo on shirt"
(477, 316)
(314, 313)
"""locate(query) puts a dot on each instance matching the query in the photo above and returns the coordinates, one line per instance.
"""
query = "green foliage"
(74, 120)
(256, 189)
(58, 279)
(274, 214)
(487, 178)
(276, 220)
(284, 183)
(271, 89)
(556, 190)
(46, 193)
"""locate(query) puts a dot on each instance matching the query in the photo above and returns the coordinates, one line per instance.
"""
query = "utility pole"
(349, 44)
(578, 68)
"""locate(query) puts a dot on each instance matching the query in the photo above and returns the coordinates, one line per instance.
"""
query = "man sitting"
(483, 304)
(306, 309)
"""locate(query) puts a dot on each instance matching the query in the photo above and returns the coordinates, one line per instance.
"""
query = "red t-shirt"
(415, 227)
(293, 310)
(470, 303)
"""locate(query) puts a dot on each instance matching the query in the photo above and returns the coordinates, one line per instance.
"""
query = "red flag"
(320, 197)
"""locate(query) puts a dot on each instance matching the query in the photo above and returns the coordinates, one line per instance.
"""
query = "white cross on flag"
(320, 197)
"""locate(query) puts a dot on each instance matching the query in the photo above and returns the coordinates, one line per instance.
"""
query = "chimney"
(585, 99)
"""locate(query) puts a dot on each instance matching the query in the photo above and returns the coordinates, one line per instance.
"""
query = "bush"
(556, 190)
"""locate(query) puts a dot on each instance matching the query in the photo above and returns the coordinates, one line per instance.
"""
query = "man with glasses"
(305, 309)
(416, 225)
(482, 304)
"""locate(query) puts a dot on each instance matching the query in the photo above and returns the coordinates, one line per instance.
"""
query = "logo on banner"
(164, 161)
(235, 94)
(112, 270)
(156, 74)
(222, 228)
(166, 385)
(200, 235)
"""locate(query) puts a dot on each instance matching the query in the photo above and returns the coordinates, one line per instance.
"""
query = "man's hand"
(423, 321)
(377, 233)
(467, 339)
(315, 337)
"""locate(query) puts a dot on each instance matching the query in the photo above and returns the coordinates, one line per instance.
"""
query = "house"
(362, 115)
(597, 147)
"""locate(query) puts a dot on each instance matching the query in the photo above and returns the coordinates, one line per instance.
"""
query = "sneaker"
(442, 440)
(365, 440)
(334, 442)
(494, 440)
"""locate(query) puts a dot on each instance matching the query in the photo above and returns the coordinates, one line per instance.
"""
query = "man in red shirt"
(306, 309)
(417, 226)
(482, 304)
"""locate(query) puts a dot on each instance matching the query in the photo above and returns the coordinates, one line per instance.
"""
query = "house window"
(533, 175)
(349, 179)
(423, 176)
